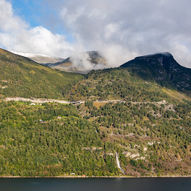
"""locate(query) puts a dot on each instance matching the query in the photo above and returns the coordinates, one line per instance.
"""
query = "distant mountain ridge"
(75, 64)
(39, 58)
(160, 67)
(44, 60)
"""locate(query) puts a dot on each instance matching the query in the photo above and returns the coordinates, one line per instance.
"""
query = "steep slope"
(149, 131)
(20, 76)
(149, 128)
(146, 127)
(162, 68)
(121, 83)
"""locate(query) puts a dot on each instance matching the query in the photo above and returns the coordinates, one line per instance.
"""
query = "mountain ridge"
(107, 112)
(20, 76)
(93, 59)
(163, 68)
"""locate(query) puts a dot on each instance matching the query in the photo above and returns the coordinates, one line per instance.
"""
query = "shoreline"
(88, 177)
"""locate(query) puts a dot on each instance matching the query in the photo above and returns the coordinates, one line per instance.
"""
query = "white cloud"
(17, 35)
(130, 27)
(120, 29)
(9, 21)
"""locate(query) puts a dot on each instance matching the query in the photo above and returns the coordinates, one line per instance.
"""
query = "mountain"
(23, 77)
(45, 59)
(77, 63)
(136, 79)
(81, 63)
(41, 59)
(163, 68)
(122, 117)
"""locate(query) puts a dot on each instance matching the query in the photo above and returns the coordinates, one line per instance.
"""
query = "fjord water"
(100, 184)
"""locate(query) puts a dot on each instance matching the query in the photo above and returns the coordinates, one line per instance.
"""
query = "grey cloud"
(120, 29)
(134, 26)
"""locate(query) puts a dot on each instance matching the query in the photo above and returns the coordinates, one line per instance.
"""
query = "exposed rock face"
(96, 58)
(163, 68)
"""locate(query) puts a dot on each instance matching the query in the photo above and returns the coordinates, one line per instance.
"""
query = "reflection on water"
(136, 184)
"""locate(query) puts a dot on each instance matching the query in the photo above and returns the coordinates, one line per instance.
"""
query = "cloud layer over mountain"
(119, 29)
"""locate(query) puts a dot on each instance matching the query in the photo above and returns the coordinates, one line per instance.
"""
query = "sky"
(120, 30)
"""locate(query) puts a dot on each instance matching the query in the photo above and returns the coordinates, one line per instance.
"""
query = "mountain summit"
(81, 62)
(163, 68)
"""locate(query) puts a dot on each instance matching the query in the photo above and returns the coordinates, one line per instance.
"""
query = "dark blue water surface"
(116, 184)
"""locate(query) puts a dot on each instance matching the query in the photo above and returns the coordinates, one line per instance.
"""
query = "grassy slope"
(22, 77)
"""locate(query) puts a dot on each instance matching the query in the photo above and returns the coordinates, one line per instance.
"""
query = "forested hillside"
(20, 76)
(144, 122)
(152, 139)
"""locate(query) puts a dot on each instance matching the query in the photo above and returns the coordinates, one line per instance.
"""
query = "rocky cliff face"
(163, 68)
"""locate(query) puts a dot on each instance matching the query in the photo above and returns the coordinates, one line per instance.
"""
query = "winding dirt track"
(42, 100)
